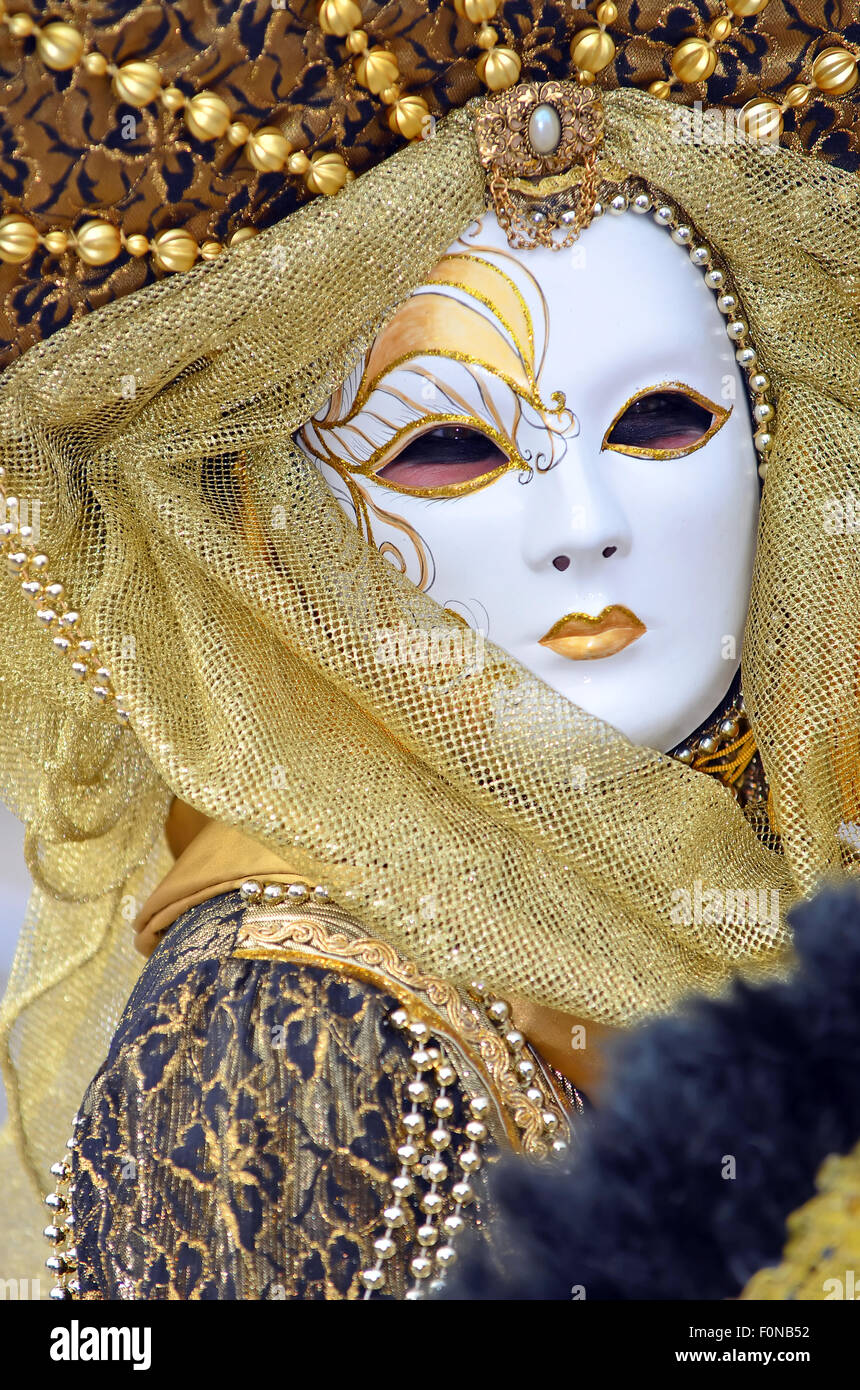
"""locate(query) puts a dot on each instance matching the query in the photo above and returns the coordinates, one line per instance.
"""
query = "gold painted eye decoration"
(665, 422)
(444, 461)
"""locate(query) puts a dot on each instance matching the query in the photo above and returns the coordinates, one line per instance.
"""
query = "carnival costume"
(317, 1061)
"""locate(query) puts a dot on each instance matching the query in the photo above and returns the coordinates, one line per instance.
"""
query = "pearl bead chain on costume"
(60, 1233)
(716, 279)
(424, 1175)
(29, 565)
(445, 1196)
(428, 1167)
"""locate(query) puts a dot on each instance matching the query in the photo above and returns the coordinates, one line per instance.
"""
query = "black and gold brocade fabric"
(68, 149)
(240, 1139)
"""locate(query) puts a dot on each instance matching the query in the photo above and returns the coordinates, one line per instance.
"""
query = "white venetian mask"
(557, 447)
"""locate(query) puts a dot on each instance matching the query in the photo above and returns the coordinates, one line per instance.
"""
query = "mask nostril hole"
(609, 550)
(561, 562)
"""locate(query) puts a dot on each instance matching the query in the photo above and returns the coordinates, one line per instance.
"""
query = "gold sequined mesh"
(482, 825)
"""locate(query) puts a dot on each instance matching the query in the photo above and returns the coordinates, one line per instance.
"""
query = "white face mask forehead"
(572, 527)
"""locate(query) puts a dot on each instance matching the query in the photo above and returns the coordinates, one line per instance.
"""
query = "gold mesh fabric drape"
(484, 825)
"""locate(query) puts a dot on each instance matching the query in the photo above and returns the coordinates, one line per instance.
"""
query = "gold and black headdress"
(140, 139)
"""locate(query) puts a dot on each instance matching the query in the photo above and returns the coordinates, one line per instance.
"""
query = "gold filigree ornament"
(537, 131)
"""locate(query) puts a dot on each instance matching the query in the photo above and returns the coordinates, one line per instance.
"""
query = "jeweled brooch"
(529, 135)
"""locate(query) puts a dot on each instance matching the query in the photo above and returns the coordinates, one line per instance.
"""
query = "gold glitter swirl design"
(432, 322)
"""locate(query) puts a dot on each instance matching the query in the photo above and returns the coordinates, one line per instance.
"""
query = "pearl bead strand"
(30, 567)
(60, 1232)
(704, 259)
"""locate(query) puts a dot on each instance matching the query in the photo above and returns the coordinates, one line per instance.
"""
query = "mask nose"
(573, 520)
(562, 562)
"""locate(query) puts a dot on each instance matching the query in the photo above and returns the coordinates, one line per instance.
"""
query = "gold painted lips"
(580, 637)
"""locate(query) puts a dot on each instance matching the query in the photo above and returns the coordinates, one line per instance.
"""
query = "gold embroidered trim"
(324, 932)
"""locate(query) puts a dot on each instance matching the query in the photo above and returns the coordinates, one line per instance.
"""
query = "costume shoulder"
(281, 1116)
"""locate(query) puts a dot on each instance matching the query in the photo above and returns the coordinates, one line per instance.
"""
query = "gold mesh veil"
(236, 607)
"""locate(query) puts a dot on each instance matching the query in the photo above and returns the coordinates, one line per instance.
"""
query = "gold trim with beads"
(451, 1042)
(310, 927)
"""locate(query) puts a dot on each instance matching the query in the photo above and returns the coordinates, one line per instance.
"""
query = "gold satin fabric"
(219, 858)
(237, 607)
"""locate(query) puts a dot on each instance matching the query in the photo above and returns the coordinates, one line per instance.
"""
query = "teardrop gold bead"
(98, 242)
(761, 120)
(172, 99)
(18, 239)
(797, 95)
(137, 245)
(137, 83)
(592, 49)
(60, 46)
(298, 163)
(326, 174)
(356, 42)
(693, 61)
(720, 28)
(268, 149)
(207, 116)
(499, 68)
(376, 70)
(174, 249)
(744, 8)
(607, 13)
(408, 116)
(660, 89)
(339, 17)
(20, 25)
(834, 70)
(95, 64)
